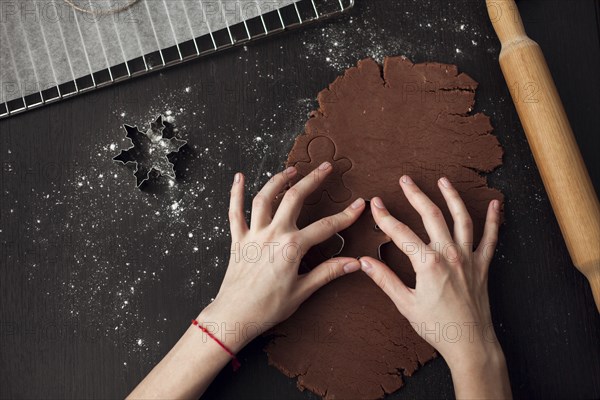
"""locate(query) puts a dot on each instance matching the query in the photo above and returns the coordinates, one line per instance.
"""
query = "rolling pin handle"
(506, 20)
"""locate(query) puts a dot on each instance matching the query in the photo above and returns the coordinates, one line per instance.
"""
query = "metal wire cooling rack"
(17, 98)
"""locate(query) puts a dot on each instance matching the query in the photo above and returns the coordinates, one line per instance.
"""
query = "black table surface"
(98, 279)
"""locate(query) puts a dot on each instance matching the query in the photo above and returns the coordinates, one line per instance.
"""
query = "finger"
(487, 246)
(326, 272)
(262, 204)
(389, 282)
(400, 233)
(432, 216)
(324, 228)
(292, 202)
(463, 224)
(237, 218)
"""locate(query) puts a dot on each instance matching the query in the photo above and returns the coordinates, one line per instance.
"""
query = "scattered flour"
(180, 226)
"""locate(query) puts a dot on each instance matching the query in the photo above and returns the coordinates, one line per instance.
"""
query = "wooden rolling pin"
(551, 139)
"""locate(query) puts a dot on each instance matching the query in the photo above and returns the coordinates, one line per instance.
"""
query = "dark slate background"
(98, 279)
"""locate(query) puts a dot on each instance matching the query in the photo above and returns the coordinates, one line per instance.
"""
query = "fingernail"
(325, 166)
(237, 177)
(496, 205)
(445, 182)
(365, 265)
(406, 179)
(357, 203)
(289, 171)
(378, 203)
(352, 266)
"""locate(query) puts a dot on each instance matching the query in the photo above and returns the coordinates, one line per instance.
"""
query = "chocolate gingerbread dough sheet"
(374, 124)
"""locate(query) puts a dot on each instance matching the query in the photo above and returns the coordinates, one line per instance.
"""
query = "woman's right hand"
(449, 305)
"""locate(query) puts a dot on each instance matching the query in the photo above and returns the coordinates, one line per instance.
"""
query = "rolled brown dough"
(375, 124)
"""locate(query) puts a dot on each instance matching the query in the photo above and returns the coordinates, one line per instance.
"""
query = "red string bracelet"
(235, 363)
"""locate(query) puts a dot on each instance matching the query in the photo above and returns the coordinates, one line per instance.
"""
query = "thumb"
(388, 281)
(326, 272)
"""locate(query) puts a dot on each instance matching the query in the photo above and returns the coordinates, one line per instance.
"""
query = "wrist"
(478, 357)
(481, 375)
(229, 330)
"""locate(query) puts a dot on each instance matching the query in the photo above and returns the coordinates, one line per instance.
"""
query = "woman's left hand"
(261, 286)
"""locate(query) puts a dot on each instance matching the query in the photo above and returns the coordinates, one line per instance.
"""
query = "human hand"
(261, 286)
(449, 305)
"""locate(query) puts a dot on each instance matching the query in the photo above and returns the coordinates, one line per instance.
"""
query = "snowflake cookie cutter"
(150, 151)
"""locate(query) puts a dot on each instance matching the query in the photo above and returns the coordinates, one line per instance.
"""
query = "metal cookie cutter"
(150, 151)
(375, 227)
